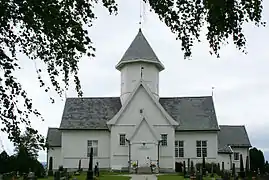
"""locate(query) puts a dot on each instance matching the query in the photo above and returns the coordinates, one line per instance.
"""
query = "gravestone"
(96, 169)
(57, 175)
(184, 168)
(90, 171)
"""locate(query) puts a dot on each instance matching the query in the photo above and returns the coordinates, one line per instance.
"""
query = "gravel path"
(143, 177)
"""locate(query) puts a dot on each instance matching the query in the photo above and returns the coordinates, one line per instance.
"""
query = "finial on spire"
(140, 15)
(213, 91)
(142, 12)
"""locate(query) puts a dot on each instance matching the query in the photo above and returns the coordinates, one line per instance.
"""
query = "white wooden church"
(140, 126)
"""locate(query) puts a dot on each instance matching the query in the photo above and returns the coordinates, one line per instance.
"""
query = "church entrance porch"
(144, 153)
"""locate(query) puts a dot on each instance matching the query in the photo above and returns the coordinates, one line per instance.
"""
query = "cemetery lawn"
(103, 176)
(176, 177)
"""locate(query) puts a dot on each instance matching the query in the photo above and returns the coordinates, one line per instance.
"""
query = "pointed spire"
(140, 50)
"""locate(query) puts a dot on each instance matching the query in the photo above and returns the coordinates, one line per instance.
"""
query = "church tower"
(139, 62)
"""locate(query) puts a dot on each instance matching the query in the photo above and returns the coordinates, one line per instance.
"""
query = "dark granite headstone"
(90, 171)
(96, 169)
(57, 175)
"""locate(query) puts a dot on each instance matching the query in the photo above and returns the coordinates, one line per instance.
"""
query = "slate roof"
(54, 137)
(234, 136)
(140, 50)
(192, 113)
(89, 113)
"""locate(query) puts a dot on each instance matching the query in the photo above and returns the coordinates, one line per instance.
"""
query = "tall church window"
(92, 144)
(164, 139)
(122, 139)
(179, 148)
(201, 148)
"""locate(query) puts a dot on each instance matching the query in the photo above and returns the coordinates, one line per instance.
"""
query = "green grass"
(103, 176)
(177, 177)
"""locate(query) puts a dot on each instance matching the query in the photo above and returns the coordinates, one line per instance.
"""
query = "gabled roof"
(234, 136)
(89, 113)
(225, 150)
(149, 126)
(142, 84)
(54, 137)
(140, 51)
(193, 113)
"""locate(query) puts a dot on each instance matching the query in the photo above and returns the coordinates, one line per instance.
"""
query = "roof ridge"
(93, 97)
(184, 97)
(53, 128)
(232, 125)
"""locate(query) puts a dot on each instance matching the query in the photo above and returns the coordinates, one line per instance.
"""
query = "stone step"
(144, 170)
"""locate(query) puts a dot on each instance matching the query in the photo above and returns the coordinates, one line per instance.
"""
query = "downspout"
(129, 154)
(158, 158)
(231, 164)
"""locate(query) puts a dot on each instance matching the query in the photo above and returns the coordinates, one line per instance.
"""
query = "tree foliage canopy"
(28, 141)
(55, 32)
(25, 158)
(257, 160)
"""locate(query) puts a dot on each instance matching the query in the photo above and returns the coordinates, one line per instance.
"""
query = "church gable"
(142, 104)
(142, 130)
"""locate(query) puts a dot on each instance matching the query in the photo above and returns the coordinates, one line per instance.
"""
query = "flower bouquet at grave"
(153, 166)
(134, 165)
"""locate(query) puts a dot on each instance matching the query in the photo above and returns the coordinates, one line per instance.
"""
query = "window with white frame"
(122, 139)
(236, 156)
(179, 148)
(164, 139)
(92, 144)
(201, 148)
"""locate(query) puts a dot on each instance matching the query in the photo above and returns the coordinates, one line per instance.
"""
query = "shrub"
(208, 167)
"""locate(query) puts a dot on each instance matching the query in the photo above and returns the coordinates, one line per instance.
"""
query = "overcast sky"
(241, 81)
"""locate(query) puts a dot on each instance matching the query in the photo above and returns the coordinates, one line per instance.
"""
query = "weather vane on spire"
(142, 12)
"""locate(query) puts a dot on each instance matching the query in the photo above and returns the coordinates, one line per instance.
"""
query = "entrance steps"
(144, 170)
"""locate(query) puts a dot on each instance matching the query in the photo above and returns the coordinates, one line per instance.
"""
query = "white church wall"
(143, 152)
(190, 139)
(244, 152)
(75, 145)
(126, 125)
(131, 75)
(226, 159)
(119, 154)
(55, 153)
(151, 112)
(167, 158)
